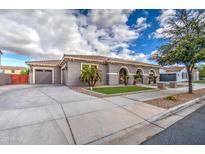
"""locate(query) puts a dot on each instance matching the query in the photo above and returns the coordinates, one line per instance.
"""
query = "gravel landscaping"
(180, 99)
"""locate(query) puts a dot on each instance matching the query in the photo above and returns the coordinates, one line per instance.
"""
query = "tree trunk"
(190, 81)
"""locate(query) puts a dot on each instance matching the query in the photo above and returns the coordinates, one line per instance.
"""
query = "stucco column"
(145, 79)
(131, 79)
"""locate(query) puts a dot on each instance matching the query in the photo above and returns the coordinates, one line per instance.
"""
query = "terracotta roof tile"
(107, 59)
(103, 59)
(173, 69)
(12, 68)
(44, 62)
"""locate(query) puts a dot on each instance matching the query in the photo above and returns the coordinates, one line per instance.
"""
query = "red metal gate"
(19, 79)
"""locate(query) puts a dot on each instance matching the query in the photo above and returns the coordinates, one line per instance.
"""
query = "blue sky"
(33, 40)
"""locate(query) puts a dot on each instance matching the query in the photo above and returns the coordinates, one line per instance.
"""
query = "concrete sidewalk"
(59, 115)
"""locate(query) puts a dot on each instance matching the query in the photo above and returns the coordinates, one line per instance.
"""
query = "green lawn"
(121, 89)
(199, 81)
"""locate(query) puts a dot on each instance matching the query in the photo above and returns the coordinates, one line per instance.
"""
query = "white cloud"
(163, 19)
(154, 52)
(48, 34)
(141, 24)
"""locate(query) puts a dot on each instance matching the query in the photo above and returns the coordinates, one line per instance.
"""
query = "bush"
(25, 72)
(126, 79)
(171, 98)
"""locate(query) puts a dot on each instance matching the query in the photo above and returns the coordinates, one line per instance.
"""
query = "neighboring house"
(1, 53)
(12, 69)
(67, 70)
(178, 74)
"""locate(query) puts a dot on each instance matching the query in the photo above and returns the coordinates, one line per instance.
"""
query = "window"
(94, 66)
(184, 75)
(12, 71)
(84, 66)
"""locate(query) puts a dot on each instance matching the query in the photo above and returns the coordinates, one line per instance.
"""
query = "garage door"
(167, 77)
(43, 76)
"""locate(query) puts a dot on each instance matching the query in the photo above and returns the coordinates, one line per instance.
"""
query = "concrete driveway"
(58, 115)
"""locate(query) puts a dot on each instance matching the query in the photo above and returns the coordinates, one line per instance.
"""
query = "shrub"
(126, 78)
(25, 72)
(171, 98)
(136, 77)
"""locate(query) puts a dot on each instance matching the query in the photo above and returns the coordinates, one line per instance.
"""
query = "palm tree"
(136, 77)
(91, 76)
(125, 79)
(152, 78)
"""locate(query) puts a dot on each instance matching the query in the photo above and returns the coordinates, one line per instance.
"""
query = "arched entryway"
(123, 72)
(139, 74)
(152, 77)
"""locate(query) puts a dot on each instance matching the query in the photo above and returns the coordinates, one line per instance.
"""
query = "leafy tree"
(202, 71)
(25, 72)
(185, 36)
(91, 76)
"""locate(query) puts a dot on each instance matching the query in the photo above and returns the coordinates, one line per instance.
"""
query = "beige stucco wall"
(113, 76)
(10, 71)
(74, 70)
(57, 74)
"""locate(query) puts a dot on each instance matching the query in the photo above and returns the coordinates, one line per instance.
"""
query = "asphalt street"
(188, 131)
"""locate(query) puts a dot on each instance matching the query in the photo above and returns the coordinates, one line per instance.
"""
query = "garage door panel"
(43, 76)
(167, 77)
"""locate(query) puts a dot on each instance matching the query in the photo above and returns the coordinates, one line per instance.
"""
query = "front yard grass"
(199, 81)
(121, 89)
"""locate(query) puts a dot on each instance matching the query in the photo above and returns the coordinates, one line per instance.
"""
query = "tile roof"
(44, 62)
(102, 59)
(12, 68)
(107, 59)
(173, 69)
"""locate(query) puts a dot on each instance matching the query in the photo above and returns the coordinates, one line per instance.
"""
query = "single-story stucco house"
(67, 70)
(178, 74)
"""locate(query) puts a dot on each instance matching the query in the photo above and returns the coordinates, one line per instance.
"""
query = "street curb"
(161, 116)
(175, 109)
